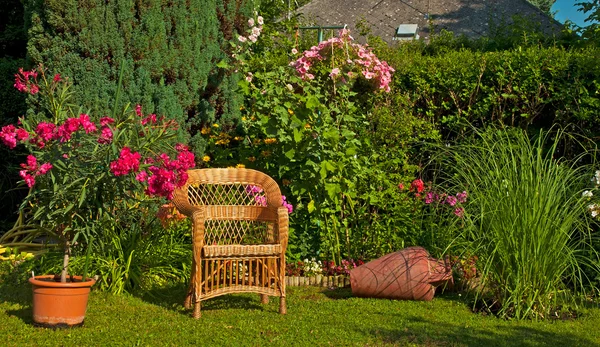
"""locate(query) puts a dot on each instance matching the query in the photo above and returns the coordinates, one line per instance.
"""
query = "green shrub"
(169, 51)
(525, 220)
(527, 87)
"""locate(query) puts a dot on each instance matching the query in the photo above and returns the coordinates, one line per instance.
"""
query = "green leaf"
(223, 64)
(311, 206)
(290, 154)
(312, 103)
(297, 135)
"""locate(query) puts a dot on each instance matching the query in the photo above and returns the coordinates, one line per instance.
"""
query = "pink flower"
(310, 76)
(150, 119)
(242, 38)
(429, 198)
(401, 186)
(459, 211)
(138, 110)
(46, 131)
(334, 72)
(251, 22)
(85, 122)
(249, 77)
(9, 136)
(127, 162)
(462, 197)
(56, 78)
(294, 51)
(142, 176)
(23, 84)
(451, 200)
(29, 179)
(44, 168)
(252, 38)
(260, 20)
(253, 190)
(181, 147)
(30, 164)
(256, 31)
(106, 135)
(106, 121)
(261, 200)
(286, 204)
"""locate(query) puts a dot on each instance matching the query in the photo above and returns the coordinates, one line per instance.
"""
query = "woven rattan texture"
(240, 232)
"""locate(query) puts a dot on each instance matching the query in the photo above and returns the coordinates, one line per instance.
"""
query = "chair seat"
(241, 250)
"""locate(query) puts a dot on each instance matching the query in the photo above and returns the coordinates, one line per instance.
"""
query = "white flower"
(294, 51)
(256, 31)
(594, 213)
(252, 38)
(249, 77)
(260, 20)
(251, 22)
(242, 38)
(587, 194)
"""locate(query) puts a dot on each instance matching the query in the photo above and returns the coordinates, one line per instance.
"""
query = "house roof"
(469, 17)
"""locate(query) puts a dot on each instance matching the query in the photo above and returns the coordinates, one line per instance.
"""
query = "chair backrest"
(240, 205)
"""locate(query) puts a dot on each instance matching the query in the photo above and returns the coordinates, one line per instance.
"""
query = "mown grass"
(316, 317)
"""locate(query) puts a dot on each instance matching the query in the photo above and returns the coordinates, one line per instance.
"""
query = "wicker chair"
(240, 234)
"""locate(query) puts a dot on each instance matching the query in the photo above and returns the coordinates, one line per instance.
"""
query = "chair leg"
(187, 303)
(282, 307)
(197, 312)
(264, 299)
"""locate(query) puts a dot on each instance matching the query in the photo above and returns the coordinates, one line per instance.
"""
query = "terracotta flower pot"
(409, 274)
(57, 304)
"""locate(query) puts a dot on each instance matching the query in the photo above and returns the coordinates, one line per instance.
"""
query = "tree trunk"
(63, 275)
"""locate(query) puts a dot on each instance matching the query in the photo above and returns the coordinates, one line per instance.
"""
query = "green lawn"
(315, 316)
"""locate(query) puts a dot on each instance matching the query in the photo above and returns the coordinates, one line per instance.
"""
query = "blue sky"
(566, 9)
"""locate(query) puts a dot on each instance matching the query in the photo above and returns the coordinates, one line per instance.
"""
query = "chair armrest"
(283, 225)
(180, 200)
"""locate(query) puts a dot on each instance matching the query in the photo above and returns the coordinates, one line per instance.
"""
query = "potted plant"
(81, 170)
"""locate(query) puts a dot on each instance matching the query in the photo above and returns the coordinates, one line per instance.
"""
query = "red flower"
(417, 185)
(127, 162)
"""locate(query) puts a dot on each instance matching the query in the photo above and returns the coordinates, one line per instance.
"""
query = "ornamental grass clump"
(84, 171)
(526, 221)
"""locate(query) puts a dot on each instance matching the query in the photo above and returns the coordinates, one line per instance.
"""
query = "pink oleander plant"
(84, 170)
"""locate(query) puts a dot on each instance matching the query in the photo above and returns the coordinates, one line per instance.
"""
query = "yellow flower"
(205, 131)
(222, 142)
(290, 111)
(240, 166)
(244, 119)
(265, 153)
(216, 125)
(241, 108)
(206, 159)
(270, 141)
(238, 138)
(252, 159)
(307, 126)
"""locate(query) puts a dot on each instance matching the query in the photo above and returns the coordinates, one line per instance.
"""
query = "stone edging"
(318, 281)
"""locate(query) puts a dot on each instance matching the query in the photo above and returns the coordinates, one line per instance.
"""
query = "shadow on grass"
(338, 293)
(19, 294)
(419, 331)
(172, 297)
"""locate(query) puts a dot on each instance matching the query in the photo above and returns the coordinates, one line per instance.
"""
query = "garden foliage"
(527, 220)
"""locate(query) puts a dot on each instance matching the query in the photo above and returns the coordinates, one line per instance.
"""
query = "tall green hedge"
(169, 50)
(528, 87)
